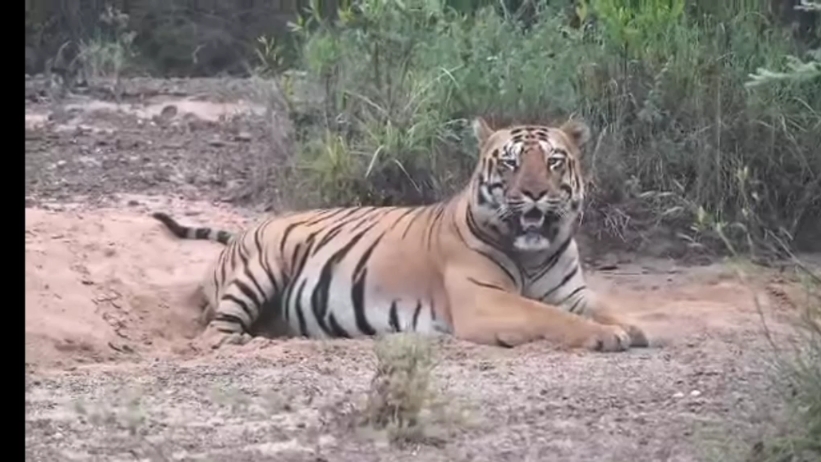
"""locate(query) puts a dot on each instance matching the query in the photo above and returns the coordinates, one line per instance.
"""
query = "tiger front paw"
(607, 339)
(212, 339)
(637, 337)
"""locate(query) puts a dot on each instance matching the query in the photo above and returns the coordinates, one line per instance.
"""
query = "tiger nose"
(535, 196)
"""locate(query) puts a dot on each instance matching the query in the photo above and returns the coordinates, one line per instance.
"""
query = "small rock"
(695, 393)
(121, 347)
(168, 111)
(243, 136)
(678, 395)
(88, 161)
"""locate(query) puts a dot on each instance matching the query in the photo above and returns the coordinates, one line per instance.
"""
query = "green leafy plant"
(800, 369)
(112, 50)
(661, 82)
(269, 56)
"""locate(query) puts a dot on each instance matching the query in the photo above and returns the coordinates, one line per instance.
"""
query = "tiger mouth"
(536, 222)
(532, 221)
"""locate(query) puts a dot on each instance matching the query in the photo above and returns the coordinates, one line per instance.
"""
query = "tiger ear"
(577, 131)
(481, 130)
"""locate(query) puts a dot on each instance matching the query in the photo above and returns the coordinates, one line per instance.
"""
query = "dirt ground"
(110, 374)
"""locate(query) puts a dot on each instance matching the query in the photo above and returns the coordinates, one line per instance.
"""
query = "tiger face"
(529, 179)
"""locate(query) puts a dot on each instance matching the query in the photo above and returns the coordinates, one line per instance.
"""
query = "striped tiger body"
(321, 284)
(494, 264)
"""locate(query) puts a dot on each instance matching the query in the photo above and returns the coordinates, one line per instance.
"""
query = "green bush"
(680, 136)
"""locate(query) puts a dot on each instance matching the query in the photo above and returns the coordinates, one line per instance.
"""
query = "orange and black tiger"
(495, 264)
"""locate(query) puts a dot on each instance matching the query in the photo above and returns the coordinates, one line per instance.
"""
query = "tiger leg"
(495, 316)
(601, 313)
(240, 305)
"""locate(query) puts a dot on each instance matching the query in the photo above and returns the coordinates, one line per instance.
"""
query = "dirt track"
(110, 376)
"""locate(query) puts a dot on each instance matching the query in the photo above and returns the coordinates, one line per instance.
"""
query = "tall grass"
(681, 139)
(110, 53)
(797, 375)
(801, 369)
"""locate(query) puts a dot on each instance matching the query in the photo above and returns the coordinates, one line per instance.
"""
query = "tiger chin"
(495, 264)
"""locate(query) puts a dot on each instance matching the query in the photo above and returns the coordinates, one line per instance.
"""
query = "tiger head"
(528, 181)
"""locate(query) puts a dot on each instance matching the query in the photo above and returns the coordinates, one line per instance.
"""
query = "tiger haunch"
(495, 264)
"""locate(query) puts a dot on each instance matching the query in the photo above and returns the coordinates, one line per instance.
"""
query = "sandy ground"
(110, 374)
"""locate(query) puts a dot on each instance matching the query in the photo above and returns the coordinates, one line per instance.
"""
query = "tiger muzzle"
(536, 222)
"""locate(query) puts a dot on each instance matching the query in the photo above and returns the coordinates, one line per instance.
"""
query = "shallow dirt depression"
(110, 374)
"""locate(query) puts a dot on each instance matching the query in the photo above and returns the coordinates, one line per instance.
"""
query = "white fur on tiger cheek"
(484, 190)
(497, 194)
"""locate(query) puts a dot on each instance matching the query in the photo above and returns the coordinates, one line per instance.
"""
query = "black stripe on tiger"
(301, 260)
(477, 231)
(490, 257)
(416, 312)
(485, 284)
(564, 281)
(551, 261)
(187, 232)
(360, 274)
(337, 228)
(319, 297)
(412, 220)
(393, 318)
(230, 319)
(336, 328)
(437, 211)
(303, 327)
(570, 295)
(403, 215)
(266, 265)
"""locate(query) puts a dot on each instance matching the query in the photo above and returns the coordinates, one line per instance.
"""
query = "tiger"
(494, 264)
